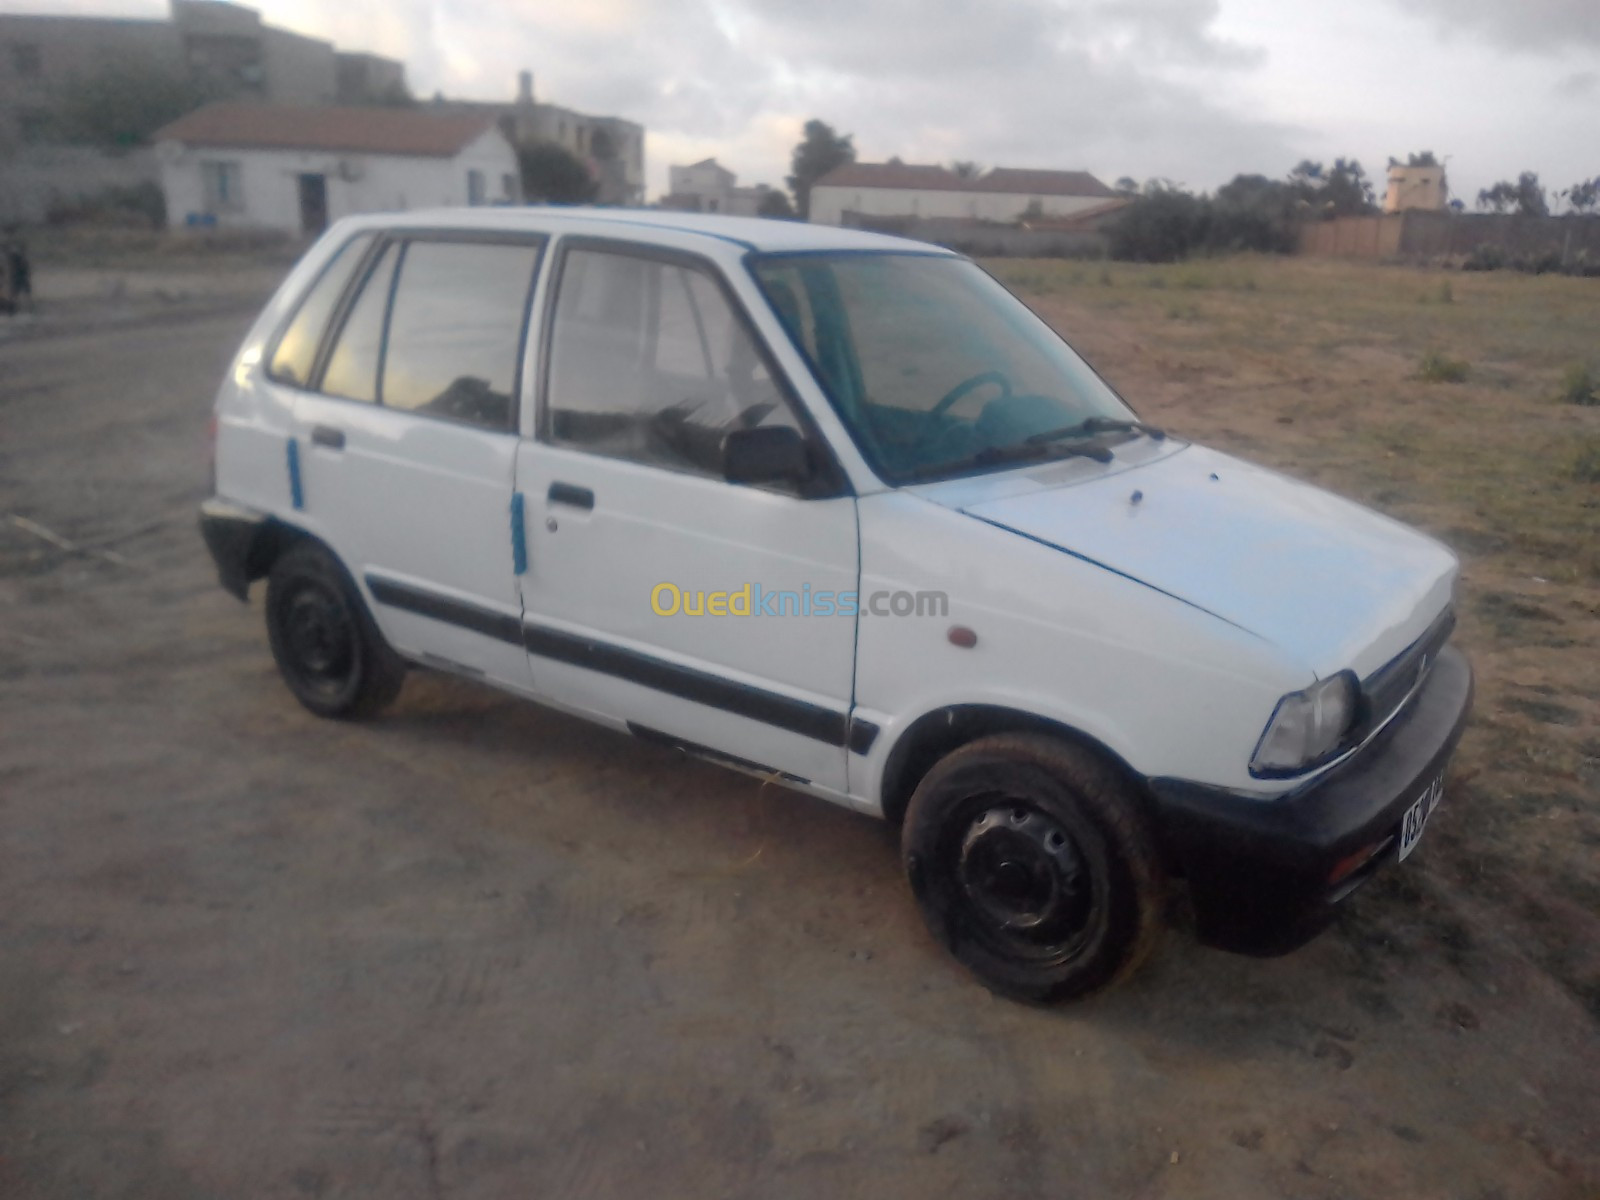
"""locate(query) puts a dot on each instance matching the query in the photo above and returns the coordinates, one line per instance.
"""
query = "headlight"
(1307, 726)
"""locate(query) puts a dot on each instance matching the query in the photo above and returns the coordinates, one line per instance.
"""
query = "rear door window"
(455, 333)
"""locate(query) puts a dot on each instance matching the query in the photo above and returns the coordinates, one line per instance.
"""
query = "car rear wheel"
(1034, 866)
(326, 646)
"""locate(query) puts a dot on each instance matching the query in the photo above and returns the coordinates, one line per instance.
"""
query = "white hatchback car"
(838, 510)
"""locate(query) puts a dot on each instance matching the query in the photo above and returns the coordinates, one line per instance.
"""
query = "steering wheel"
(950, 398)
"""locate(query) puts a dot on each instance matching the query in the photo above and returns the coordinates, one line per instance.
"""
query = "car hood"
(1334, 584)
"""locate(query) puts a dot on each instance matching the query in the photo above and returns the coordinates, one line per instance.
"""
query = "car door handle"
(566, 493)
(327, 435)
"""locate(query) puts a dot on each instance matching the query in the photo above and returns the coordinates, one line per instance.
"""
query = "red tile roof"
(1043, 183)
(917, 177)
(895, 175)
(400, 131)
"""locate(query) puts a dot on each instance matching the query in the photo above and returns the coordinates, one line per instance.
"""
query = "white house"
(707, 186)
(1005, 194)
(296, 169)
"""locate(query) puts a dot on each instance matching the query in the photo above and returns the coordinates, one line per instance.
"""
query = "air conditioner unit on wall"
(351, 169)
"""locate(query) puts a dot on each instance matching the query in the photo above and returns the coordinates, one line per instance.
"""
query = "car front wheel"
(323, 639)
(1034, 866)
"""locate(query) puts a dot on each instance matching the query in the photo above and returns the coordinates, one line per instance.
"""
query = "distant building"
(612, 148)
(369, 79)
(1416, 187)
(707, 186)
(1004, 195)
(295, 169)
(223, 50)
(219, 50)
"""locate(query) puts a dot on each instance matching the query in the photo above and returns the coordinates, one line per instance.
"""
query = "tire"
(325, 643)
(1034, 866)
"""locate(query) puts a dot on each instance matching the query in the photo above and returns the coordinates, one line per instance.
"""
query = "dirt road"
(475, 949)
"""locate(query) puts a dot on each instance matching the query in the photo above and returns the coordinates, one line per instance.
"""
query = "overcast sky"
(1192, 90)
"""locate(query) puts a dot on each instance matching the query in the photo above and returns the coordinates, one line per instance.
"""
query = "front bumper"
(1260, 871)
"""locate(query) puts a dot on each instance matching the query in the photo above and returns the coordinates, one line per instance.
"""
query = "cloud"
(1117, 86)
(1579, 83)
(1538, 25)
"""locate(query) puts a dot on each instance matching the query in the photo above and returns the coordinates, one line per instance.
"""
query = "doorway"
(313, 204)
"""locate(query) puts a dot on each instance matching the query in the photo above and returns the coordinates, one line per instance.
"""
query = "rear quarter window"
(296, 352)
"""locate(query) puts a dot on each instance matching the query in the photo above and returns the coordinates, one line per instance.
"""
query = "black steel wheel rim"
(320, 636)
(1025, 885)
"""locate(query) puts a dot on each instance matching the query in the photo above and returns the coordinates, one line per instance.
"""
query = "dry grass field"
(1447, 400)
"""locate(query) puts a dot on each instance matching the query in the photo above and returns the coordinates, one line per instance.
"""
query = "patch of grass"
(1183, 312)
(1586, 464)
(1439, 367)
(1579, 385)
(1105, 276)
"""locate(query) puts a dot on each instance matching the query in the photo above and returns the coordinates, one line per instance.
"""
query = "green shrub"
(1586, 466)
(1439, 367)
(1579, 385)
(1485, 256)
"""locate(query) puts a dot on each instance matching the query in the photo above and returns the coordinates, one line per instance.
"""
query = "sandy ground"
(476, 949)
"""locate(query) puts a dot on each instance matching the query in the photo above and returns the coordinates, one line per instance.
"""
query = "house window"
(26, 60)
(221, 183)
(475, 189)
(508, 188)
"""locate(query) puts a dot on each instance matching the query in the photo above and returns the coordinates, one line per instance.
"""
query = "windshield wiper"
(1093, 425)
(1016, 452)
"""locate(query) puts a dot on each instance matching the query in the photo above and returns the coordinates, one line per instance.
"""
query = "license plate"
(1411, 825)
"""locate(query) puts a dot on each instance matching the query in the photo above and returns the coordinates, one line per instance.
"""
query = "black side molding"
(500, 626)
(831, 726)
(714, 691)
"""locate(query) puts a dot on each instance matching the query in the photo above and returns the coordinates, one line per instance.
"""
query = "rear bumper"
(1260, 871)
(237, 539)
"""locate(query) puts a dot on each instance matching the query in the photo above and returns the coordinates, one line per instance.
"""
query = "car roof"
(763, 235)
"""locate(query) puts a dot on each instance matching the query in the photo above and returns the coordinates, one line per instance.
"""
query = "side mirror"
(769, 454)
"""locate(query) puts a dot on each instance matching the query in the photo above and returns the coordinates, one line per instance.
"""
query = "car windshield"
(937, 370)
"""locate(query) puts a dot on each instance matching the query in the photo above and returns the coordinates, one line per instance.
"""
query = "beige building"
(1004, 195)
(612, 148)
(1416, 187)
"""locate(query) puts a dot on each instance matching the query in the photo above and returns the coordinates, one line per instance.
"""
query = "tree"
(1252, 212)
(1164, 224)
(552, 174)
(1525, 197)
(1500, 197)
(1584, 196)
(124, 103)
(965, 169)
(1126, 186)
(820, 151)
(1342, 191)
(1422, 158)
(1531, 200)
(775, 203)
